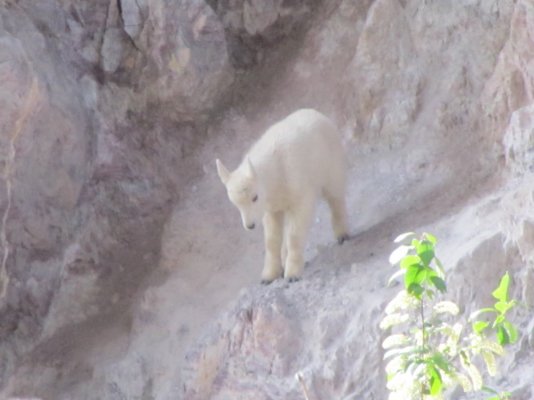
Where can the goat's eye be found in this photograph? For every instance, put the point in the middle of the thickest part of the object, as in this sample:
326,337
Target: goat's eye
255,198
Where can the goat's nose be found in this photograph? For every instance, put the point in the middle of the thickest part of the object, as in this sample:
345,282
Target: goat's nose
251,226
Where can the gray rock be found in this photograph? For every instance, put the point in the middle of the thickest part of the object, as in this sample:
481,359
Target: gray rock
120,253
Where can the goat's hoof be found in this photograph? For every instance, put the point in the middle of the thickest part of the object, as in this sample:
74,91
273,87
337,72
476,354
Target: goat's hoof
341,239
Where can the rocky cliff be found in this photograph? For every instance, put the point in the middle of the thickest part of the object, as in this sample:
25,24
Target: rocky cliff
125,272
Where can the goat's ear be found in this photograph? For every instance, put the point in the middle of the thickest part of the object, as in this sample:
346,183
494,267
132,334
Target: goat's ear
250,168
222,171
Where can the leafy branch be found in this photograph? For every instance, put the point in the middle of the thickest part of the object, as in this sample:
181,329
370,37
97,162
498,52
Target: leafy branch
428,349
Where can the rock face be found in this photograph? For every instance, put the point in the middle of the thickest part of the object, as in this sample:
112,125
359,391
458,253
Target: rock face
88,181
412,78
255,350
253,25
120,255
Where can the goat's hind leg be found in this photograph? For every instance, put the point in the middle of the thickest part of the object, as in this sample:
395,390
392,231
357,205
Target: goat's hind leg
299,221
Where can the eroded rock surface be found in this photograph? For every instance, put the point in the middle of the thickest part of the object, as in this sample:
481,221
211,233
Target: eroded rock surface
120,253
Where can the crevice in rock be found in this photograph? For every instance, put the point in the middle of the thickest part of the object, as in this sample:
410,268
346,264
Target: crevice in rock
123,25
101,76
9,169
119,7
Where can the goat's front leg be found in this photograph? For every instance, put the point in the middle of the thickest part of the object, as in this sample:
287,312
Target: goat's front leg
273,229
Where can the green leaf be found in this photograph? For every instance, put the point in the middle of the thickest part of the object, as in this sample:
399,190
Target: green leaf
436,382
410,260
502,306
439,283
431,238
502,336
425,251
441,362
415,290
501,293
413,275
480,326
499,320
511,330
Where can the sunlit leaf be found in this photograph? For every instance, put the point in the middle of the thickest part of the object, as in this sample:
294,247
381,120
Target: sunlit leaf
446,307
400,352
413,275
465,382
502,307
425,251
403,236
395,276
453,333
399,253
401,302
410,260
416,370
480,326
475,314
491,364
394,341
499,320
431,238
436,382
394,366
393,319
490,345
474,374
501,293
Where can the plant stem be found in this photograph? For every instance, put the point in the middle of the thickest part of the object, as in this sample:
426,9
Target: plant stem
423,340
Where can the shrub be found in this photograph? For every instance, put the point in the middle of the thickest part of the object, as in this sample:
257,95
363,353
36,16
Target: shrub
429,349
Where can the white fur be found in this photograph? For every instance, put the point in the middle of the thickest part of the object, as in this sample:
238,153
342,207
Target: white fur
296,161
